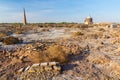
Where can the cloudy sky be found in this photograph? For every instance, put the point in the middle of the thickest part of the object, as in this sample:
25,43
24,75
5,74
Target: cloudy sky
59,10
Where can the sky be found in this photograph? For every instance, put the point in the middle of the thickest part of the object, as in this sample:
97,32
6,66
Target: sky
40,11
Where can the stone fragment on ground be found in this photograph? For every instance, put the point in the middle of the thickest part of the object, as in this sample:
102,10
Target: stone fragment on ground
66,77
40,71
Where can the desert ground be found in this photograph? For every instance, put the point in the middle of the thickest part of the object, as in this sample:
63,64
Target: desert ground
83,52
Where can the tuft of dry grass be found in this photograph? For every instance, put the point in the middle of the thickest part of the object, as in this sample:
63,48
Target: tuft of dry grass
38,57
11,40
45,29
99,59
101,29
18,32
56,53
77,33
2,35
95,35
53,53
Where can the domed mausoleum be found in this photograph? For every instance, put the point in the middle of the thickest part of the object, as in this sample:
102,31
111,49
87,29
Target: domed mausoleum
88,20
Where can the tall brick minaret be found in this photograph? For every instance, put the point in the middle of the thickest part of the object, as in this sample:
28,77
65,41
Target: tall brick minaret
24,17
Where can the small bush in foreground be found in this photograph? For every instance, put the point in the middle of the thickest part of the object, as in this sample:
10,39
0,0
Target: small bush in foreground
38,57
53,53
56,53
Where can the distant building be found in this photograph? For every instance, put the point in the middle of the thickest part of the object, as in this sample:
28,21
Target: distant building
24,17
88,20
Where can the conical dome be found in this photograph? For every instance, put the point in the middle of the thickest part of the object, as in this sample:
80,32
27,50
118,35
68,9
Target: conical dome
89,17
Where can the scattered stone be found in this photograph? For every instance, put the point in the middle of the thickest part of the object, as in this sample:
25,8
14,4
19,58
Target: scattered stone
48,68
44,64
57,68
67,77
42,71
35,65
26,68
20,71
53,63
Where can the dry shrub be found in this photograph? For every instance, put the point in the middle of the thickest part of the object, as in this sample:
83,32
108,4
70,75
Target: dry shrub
101,29
116,34
95,35
84,26
114,69
115,41
92,36
11,40
38,57
15,60
18,32
75,26
56,53
2,35
99,59
75,50
53,53
78,33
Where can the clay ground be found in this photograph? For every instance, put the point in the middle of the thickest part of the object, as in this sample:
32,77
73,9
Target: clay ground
99,59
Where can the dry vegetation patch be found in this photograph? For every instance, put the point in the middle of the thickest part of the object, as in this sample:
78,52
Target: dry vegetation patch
53,53
101,29
56,53
11,40
38,57
2,35
99,59
78,33
47,53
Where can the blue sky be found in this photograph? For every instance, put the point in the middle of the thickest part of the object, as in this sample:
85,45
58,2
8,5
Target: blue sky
60,10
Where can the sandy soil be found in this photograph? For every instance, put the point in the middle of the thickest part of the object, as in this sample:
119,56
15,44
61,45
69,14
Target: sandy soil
100,62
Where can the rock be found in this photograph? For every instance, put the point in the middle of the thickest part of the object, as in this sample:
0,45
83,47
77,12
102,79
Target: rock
67,77
35,65
20,71
27,68
41,71
31,70
53,63
44,64
48,68
57,68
